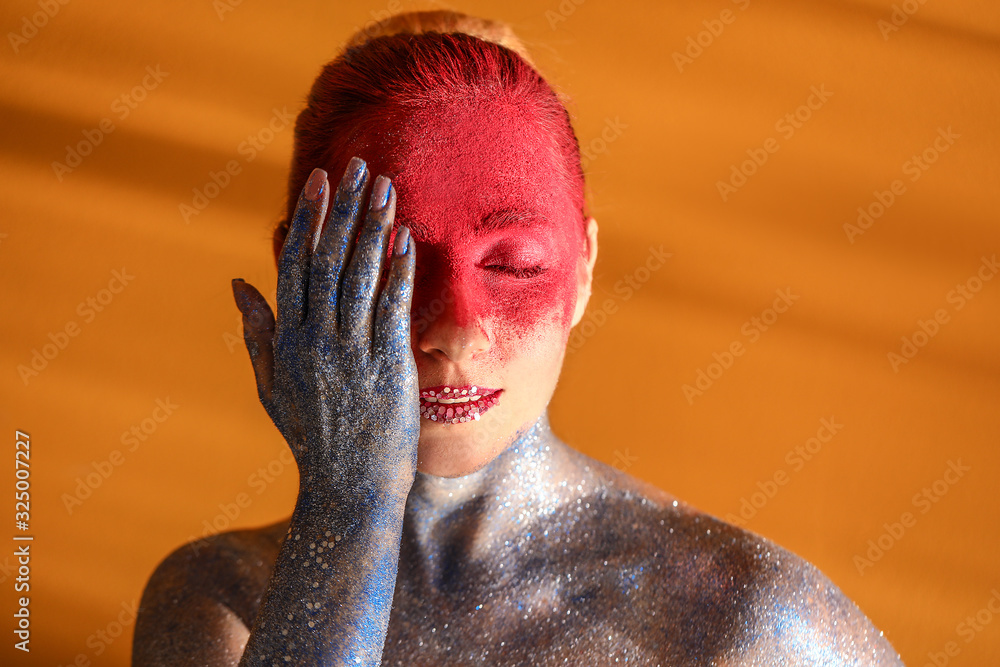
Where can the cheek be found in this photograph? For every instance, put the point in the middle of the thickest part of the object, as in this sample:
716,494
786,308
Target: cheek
542,302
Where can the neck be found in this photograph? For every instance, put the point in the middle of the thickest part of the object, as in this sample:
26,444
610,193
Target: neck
485,507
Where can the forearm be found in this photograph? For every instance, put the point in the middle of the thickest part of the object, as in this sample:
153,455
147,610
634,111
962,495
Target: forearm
330,594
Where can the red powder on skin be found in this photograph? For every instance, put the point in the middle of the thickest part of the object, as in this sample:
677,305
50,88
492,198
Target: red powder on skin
494,229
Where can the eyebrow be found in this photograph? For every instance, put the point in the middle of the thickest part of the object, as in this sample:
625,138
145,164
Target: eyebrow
503,218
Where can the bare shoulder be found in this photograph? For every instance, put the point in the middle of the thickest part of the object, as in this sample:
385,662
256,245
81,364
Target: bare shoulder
201,599
724,594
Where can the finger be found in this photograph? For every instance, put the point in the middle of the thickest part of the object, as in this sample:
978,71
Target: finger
258,334
361,278
392,320
327,265
293,264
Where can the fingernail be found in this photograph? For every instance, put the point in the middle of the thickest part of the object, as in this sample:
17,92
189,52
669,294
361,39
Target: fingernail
380,193
314,186
402,243
355,173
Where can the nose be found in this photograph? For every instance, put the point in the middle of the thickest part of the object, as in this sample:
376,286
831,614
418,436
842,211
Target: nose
455,333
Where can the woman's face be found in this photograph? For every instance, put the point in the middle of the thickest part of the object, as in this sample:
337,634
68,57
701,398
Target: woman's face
503,272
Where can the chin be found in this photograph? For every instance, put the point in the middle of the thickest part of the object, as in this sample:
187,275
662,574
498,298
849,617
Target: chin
456,450
453,450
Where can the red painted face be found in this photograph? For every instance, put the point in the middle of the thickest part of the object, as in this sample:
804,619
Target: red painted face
498,247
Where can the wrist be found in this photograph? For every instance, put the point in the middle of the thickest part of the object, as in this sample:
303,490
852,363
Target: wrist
355,495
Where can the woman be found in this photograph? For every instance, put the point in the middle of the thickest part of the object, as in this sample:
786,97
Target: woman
417,342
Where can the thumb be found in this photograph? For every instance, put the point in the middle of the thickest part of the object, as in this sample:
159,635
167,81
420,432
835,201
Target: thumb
258,334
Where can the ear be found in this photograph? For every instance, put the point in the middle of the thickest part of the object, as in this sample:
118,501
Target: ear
585,272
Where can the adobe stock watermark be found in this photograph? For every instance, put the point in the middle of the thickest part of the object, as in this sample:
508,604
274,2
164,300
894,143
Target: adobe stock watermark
926,329
752,329
489,430
224,7
229,512
425,315
249,149
624,460
697,43
968,629
915,167
565,9
786,126
624,289
371,28
121,107
901,13
131,439
234,340
103,637
30,25
7,569
597,146
796,458
923,501
88,309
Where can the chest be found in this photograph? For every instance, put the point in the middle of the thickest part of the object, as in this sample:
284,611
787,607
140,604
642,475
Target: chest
556,614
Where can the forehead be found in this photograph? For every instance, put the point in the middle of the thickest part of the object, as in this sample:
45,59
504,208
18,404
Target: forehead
463,161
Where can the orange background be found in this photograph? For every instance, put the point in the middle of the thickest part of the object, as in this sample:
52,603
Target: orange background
660,140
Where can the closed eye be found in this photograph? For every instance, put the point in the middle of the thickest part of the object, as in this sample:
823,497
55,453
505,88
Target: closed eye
521,272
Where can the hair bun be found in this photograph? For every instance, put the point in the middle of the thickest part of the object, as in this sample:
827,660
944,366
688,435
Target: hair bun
443,21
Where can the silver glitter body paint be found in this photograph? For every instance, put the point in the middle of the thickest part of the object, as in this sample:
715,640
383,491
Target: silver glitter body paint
548,557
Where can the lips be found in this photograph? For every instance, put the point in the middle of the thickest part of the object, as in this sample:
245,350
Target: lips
447,404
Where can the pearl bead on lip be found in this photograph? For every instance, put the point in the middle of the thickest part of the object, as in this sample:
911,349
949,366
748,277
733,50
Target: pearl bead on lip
446,404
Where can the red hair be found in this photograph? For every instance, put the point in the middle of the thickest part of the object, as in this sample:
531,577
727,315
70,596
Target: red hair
388,74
